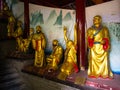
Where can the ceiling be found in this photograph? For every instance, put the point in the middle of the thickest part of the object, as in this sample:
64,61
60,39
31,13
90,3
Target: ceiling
66,4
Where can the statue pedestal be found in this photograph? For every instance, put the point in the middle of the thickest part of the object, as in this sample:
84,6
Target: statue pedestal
19,55
78,80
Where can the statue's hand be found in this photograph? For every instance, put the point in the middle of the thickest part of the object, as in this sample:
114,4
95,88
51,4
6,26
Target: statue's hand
65,29
91,37
75,26
102,42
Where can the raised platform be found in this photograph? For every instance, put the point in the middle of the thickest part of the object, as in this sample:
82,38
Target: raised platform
19,55
78,80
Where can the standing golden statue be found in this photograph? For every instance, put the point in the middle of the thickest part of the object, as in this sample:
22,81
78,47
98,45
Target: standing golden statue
18,33
98,42
11,26
70,56
5,9
30,48
31,33
55,57
39,44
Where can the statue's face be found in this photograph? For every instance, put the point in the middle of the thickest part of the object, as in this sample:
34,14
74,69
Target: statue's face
97,21
69,44
19,23
55,43
31,31
38,29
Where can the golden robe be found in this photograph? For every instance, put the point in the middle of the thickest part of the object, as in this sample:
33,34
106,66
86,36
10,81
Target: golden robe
70,61
99,65
55,58
39,44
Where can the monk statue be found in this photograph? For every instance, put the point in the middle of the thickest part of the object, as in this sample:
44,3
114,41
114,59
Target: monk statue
39,44
11,26
98,42
5,9
30,48
24,44
18,33
70,56
31,33
54,59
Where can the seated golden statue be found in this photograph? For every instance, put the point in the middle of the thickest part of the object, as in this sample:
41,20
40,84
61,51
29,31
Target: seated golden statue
39,44
70,56
24,44
54,59
98,42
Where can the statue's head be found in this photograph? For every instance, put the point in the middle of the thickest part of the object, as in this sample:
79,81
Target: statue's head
31,31
55,42
38,29
69,44
19,23
65,29
97,20
5,6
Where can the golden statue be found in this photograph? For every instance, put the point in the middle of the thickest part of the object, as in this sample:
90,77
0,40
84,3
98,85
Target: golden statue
5,6
70,56
18,33
11,26
98,42
39,44
6,9
24,45
31,33
56,56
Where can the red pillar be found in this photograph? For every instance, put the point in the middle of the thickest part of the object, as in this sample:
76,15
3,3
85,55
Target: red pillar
80,20
26,18
1,5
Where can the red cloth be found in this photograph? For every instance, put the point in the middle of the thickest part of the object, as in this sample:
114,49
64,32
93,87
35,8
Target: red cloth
106,44
36,44
75,68
90,42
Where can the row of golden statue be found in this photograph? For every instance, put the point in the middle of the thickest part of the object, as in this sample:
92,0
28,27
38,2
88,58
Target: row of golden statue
98,42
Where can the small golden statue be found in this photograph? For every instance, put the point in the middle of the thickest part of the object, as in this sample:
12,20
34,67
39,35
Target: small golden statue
18,33
31,33
56,56
11,26
24,43
39,44
70,56
5,6
5,9
98,42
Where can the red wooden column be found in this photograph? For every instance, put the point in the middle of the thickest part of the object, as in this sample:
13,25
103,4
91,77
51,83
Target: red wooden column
80,20
1,5
26,18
